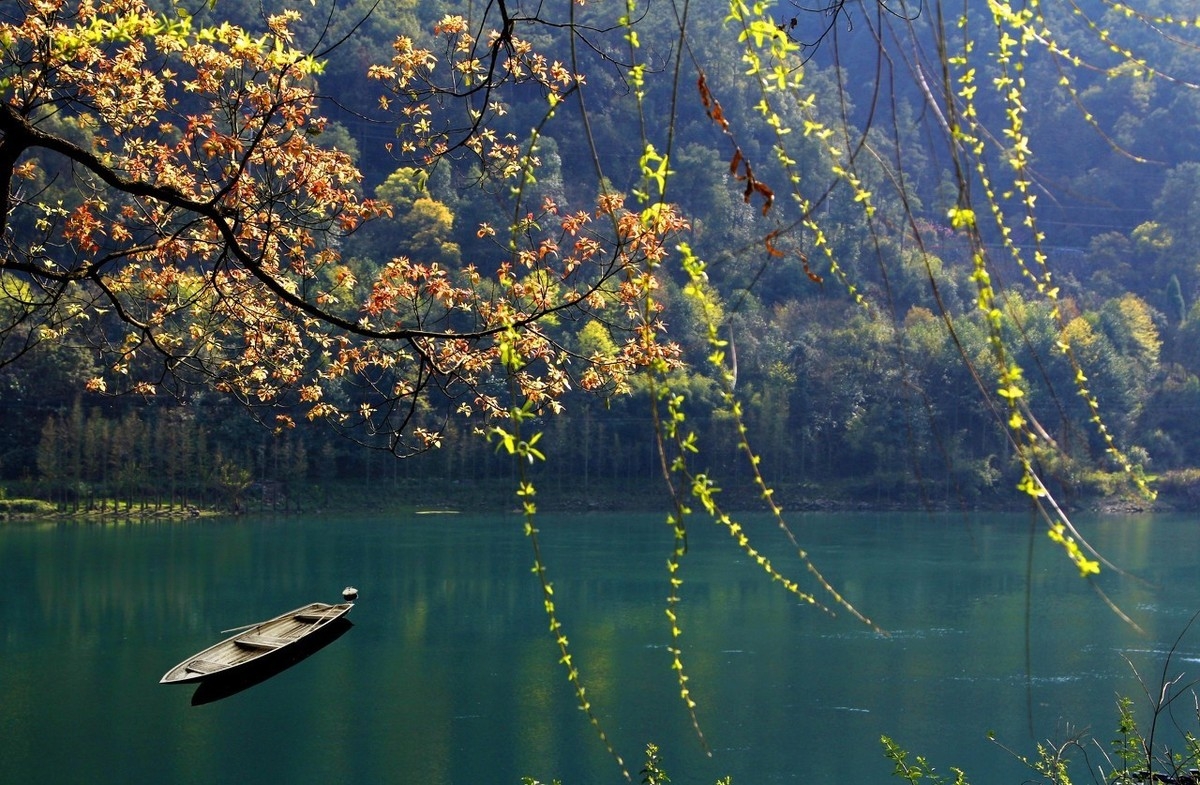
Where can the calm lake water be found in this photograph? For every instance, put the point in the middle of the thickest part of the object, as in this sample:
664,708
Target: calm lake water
449,676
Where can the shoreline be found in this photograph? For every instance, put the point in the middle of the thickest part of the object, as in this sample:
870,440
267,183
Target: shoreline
458,496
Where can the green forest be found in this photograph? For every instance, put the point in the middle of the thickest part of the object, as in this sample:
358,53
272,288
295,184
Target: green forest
859,344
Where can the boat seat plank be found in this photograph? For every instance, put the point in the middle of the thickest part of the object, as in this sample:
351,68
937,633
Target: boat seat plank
206,666
256,641
317,615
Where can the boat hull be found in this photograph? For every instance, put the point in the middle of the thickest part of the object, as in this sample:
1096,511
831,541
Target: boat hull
254,644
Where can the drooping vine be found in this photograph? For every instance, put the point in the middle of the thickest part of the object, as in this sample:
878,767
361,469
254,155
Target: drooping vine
969,137
770,54
523,449
704,489
651,194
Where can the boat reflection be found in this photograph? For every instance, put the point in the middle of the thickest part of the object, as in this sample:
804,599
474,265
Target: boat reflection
220,686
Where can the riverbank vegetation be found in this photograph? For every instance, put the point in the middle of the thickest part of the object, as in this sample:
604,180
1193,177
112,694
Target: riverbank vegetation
1153,740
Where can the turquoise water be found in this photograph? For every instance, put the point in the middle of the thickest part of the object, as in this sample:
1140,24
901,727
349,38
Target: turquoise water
450,676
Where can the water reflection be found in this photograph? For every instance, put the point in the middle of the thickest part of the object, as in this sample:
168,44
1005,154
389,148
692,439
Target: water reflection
452,678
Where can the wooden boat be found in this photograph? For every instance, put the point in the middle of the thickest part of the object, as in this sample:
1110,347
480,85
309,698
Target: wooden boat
255,642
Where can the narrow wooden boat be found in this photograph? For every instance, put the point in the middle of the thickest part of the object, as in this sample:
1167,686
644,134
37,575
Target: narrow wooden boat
255,642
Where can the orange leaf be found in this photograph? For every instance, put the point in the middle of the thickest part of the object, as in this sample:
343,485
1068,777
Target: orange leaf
767,194
807,270
768,241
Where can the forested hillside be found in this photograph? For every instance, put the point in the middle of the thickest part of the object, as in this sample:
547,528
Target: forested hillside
850,384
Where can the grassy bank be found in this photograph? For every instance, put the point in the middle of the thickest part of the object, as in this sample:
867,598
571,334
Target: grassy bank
22,508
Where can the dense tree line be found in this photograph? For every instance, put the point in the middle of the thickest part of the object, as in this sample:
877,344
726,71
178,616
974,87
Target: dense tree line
860,407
